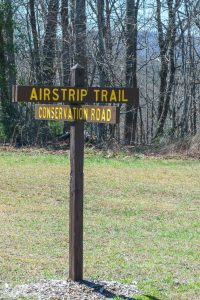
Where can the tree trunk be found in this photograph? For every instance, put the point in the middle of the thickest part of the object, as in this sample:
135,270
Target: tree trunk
65,49
65,42
36,55
50,42
8,114
101,43
167,52
132,7
10,50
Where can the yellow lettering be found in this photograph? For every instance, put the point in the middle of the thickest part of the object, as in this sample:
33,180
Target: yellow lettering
64,94
83,94
123,95
44,112
98,114
96,94
77,95
113,96
69,114
75,113
55,95
103,116
48,113
85,114
47,94
92,114
60,113
52,113
108,114
65,113
71,95
40,112
80,113
56,113
41,95
104,95
33,94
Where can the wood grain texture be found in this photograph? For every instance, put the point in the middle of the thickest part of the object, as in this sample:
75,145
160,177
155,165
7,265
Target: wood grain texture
76,190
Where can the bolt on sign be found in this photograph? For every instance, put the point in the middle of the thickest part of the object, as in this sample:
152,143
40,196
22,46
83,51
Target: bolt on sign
68,104
92,114
75,95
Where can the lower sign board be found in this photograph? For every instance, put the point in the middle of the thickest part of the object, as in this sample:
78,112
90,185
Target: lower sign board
97,114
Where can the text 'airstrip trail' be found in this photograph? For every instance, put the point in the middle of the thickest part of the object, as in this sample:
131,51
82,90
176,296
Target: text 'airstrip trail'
70,95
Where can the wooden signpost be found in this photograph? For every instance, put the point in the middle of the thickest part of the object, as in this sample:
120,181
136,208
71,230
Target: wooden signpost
76,188
68,104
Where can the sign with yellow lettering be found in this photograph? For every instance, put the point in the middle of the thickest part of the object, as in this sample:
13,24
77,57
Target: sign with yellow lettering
70,95
97,114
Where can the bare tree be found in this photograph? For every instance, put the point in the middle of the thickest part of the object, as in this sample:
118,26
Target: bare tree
7,67
50,42
65,41
132,7
167,52
36,51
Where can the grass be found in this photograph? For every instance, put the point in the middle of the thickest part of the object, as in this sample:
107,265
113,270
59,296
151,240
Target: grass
141,222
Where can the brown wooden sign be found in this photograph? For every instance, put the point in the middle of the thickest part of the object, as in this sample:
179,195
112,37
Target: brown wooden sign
70,95
97,114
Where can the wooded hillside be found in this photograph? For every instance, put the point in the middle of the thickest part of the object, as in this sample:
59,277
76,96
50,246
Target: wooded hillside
153,45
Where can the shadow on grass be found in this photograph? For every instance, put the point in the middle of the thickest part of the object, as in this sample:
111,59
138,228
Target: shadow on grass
99,288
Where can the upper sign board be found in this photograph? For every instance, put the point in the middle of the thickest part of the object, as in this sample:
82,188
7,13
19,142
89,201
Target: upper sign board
73,95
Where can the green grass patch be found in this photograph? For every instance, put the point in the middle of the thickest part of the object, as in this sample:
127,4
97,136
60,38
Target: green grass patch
141,221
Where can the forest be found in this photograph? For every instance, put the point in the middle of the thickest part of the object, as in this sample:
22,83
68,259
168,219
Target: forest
153,45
